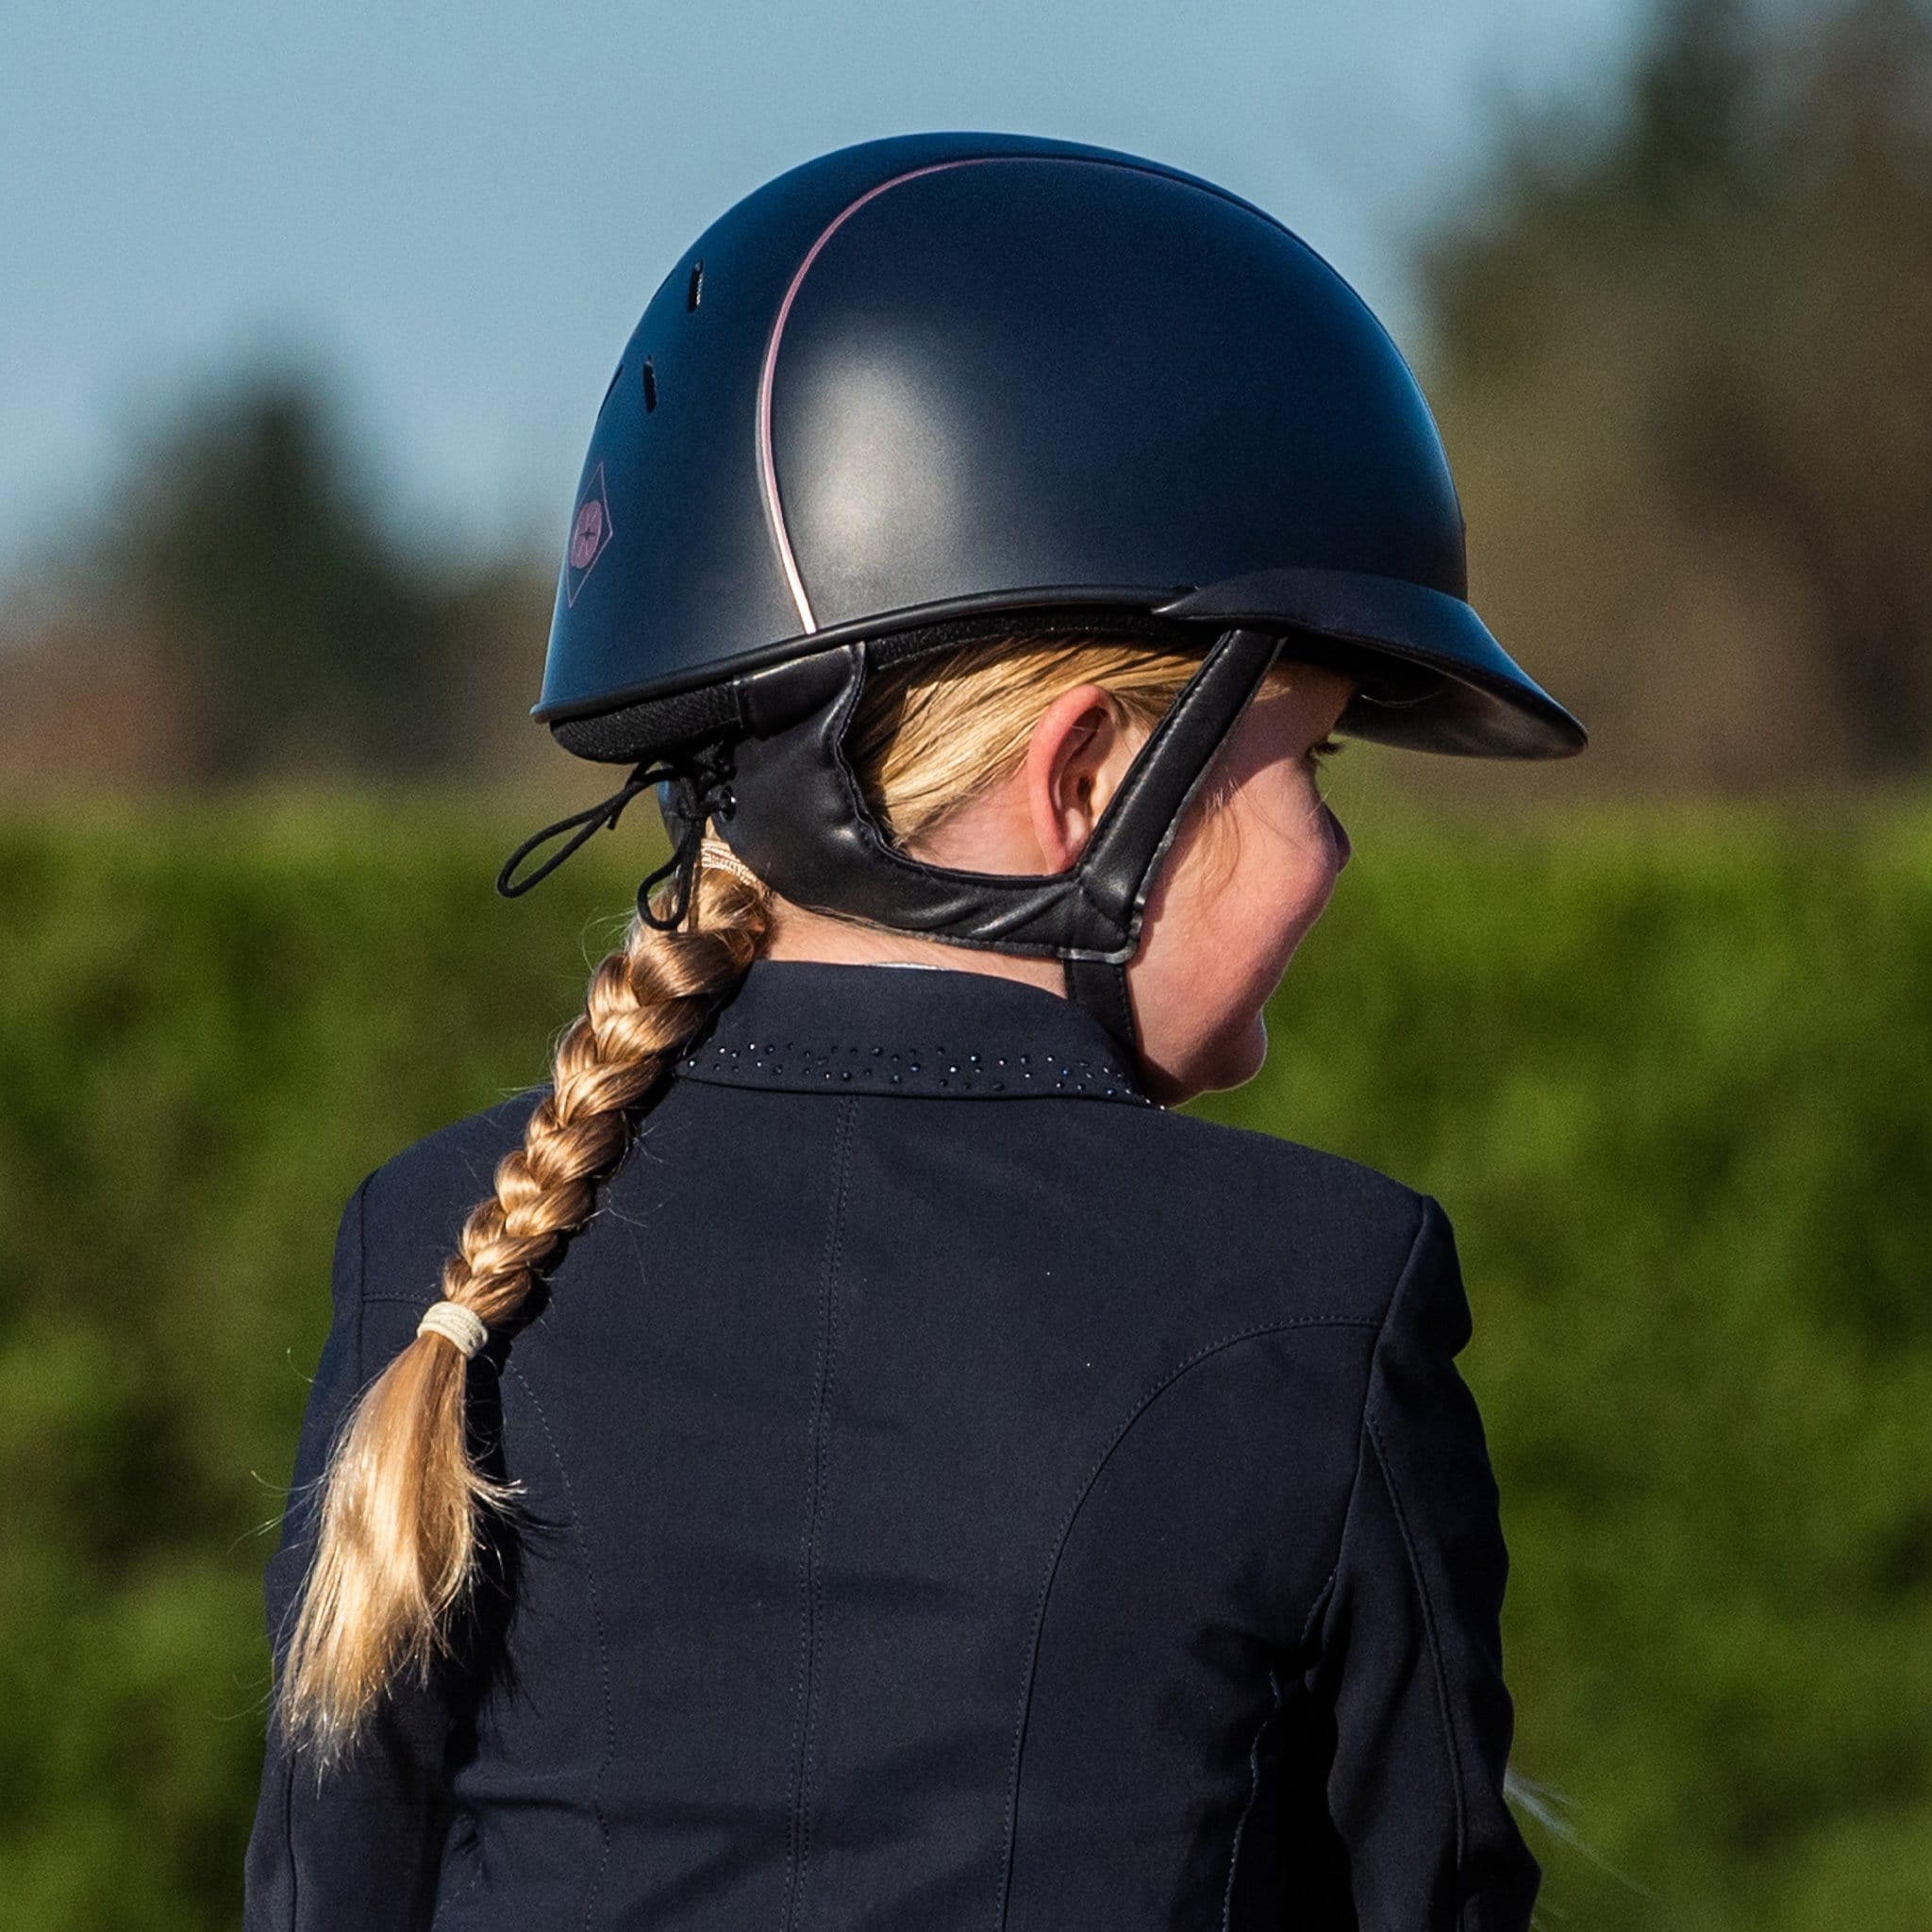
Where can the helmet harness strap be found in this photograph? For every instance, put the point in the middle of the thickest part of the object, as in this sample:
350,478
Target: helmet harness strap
788,802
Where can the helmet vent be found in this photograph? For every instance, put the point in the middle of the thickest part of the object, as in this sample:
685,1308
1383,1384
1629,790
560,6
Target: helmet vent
650,386
695,293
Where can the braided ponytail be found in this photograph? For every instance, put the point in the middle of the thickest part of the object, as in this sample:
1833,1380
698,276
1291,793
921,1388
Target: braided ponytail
398,1545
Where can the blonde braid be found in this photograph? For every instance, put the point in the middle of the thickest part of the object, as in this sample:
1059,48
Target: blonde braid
398,1548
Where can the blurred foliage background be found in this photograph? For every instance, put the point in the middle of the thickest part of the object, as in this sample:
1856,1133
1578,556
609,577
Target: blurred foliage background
1675,1089
1656,1027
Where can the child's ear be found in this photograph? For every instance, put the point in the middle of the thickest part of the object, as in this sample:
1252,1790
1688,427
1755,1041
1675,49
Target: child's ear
1074,762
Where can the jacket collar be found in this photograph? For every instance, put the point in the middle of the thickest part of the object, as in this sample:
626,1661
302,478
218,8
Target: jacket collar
806,1026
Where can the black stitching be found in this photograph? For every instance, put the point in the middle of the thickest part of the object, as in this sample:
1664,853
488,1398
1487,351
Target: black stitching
1100,1462
1415,1244
473,1855
812,1578
1371,1440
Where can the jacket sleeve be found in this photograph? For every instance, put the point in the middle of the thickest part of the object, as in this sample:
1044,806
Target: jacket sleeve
1410,1643
359,1850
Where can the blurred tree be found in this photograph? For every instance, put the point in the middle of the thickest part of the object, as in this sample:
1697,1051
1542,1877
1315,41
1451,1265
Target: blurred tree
313,641
1682,367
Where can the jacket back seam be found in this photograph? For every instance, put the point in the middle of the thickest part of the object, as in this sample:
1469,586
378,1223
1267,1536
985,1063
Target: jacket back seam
1002,1902
812,1567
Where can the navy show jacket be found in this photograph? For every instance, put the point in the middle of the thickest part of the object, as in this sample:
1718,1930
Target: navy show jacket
957,1493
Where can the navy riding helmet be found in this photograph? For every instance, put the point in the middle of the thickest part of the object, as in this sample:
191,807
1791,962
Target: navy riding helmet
914,389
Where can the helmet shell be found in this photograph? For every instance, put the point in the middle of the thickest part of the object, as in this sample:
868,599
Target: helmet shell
940,376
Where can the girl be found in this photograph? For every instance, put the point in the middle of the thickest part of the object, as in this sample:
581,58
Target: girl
871,1463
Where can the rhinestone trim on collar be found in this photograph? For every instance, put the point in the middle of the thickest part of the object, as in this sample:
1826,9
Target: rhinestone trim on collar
913,1070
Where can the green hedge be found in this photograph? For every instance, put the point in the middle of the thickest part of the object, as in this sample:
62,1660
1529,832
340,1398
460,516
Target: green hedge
1671,1075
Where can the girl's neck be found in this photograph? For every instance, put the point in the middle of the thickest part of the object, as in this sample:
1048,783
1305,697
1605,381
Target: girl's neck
799,933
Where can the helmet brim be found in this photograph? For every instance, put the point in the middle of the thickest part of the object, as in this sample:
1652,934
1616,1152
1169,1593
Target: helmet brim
1433,678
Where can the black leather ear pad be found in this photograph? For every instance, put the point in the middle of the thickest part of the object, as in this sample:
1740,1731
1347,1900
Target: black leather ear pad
798,819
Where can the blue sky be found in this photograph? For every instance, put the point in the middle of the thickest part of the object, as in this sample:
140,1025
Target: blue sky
457,211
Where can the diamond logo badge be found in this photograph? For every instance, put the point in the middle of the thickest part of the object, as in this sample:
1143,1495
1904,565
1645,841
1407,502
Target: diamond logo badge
589,536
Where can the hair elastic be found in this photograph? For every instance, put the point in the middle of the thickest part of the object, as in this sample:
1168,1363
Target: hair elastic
456,1324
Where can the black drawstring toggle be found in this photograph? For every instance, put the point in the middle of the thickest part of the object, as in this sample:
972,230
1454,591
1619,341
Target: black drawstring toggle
592,819
700,788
